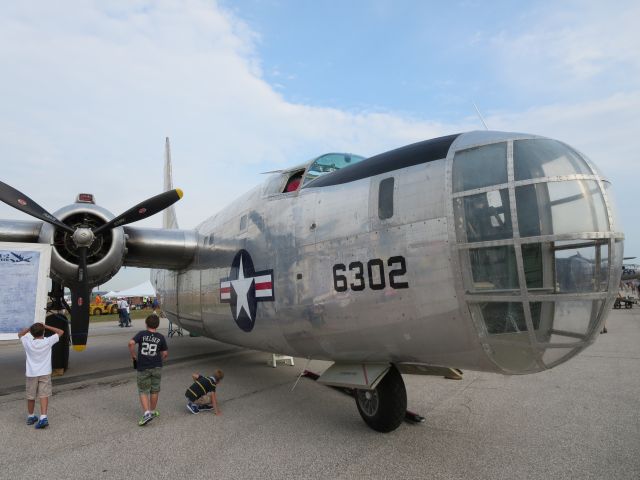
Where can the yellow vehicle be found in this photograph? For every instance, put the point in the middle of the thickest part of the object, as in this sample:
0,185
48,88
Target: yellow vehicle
99,306
102,308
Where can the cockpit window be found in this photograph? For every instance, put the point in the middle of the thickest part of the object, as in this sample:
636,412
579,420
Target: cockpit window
330,162
537,158
480,167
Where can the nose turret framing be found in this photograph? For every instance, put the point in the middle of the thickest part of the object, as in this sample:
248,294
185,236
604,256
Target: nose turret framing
535,245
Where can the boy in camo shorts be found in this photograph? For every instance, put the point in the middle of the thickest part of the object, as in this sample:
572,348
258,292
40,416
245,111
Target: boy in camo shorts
152,350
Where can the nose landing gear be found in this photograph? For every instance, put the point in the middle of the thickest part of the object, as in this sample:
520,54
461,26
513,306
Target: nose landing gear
383,408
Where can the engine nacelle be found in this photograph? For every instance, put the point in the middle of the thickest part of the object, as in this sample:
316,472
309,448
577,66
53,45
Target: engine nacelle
105,255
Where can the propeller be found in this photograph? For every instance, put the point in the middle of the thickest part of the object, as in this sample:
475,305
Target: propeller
20,201
83,238
145,209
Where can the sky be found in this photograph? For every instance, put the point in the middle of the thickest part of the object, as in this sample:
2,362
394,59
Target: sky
90,90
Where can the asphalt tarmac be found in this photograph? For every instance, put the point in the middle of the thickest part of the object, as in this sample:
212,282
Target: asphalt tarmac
579,420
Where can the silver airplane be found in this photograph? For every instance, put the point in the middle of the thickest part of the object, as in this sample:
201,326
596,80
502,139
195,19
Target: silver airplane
486,251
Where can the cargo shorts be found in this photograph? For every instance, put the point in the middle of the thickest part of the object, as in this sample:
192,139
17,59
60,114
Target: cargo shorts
39,387
149,380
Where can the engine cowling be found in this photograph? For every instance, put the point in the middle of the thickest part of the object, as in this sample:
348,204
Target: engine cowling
105,255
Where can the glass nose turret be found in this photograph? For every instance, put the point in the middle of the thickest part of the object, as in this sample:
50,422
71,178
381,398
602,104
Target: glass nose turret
536,247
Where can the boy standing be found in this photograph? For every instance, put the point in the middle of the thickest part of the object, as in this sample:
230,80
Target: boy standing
152,350
203,390
38,371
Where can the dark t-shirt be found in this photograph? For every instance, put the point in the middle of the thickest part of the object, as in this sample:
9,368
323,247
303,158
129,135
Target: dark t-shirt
150,344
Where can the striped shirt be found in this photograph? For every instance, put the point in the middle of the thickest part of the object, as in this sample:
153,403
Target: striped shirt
200,387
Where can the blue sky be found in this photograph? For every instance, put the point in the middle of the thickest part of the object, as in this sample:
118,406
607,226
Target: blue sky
91,88
411,57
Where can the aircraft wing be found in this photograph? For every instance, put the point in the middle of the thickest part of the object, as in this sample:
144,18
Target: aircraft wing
143,247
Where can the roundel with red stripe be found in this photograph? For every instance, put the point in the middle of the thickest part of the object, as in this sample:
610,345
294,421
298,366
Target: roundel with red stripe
244,288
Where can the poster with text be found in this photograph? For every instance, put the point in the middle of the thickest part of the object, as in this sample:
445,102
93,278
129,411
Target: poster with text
24,282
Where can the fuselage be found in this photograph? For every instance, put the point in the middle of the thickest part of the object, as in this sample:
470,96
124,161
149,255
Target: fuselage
484,251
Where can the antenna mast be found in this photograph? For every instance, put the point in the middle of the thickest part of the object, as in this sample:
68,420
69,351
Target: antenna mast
480,115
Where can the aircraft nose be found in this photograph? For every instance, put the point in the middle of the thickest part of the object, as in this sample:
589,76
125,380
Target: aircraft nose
537,249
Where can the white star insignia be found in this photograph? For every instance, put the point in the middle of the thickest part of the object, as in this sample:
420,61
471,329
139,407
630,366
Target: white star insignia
242,286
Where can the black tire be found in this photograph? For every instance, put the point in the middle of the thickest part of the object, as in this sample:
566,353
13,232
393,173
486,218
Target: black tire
384,408
97,311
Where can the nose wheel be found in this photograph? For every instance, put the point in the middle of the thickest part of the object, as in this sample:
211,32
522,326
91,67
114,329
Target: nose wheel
383,408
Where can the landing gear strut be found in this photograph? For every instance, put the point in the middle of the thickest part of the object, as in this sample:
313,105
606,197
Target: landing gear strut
383,408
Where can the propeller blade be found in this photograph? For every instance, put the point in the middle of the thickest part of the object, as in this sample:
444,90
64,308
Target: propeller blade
81,299
20,201
82,265
142,210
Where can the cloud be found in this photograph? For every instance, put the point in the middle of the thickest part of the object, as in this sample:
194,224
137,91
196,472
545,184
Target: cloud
90,90
94,92
572,47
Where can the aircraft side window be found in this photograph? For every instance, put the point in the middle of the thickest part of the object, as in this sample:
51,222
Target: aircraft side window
494,268
503,317
385,198
483,217
243,223
578,267
555,208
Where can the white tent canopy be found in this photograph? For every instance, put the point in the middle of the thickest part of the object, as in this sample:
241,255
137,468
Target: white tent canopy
110,294
143,290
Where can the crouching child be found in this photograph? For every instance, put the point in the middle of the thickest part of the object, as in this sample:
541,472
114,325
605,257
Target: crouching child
201,395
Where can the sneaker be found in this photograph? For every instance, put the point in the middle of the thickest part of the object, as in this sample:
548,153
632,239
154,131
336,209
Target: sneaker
193,408
204,408
146,418
31,419
42,423
155,413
